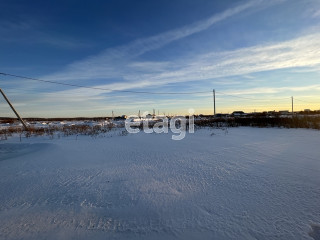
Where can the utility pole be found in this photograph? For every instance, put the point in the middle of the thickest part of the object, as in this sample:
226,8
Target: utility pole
214,101
292,105
21,120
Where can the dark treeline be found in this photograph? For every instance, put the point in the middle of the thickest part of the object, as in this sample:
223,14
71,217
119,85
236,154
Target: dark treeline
11,120
289,122
302,121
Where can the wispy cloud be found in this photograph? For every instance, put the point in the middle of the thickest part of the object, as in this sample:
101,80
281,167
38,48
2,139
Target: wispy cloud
299,52
121,63
105,64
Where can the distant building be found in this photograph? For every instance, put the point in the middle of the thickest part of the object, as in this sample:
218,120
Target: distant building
238,114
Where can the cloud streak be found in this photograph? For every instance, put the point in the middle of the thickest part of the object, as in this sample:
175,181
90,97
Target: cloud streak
112,60
299,52
121,63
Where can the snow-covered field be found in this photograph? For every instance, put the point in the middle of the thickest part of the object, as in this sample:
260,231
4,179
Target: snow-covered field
247,184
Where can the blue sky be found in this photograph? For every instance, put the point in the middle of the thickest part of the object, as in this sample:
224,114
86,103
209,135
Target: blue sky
256,54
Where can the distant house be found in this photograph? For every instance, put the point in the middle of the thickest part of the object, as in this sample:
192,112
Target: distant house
239,114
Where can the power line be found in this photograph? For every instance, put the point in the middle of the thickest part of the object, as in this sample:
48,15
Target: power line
230,95
98,88
141,92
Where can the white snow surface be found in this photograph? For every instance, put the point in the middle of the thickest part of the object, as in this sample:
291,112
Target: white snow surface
250,183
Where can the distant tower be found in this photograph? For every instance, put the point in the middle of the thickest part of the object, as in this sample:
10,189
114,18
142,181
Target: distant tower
292,105
214,101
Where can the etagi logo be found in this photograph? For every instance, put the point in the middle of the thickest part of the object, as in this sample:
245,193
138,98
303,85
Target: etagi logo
161,124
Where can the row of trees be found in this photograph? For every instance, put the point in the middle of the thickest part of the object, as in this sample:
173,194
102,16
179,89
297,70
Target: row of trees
312,122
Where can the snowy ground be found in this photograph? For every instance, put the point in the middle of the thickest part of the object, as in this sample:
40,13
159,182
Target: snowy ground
248,184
